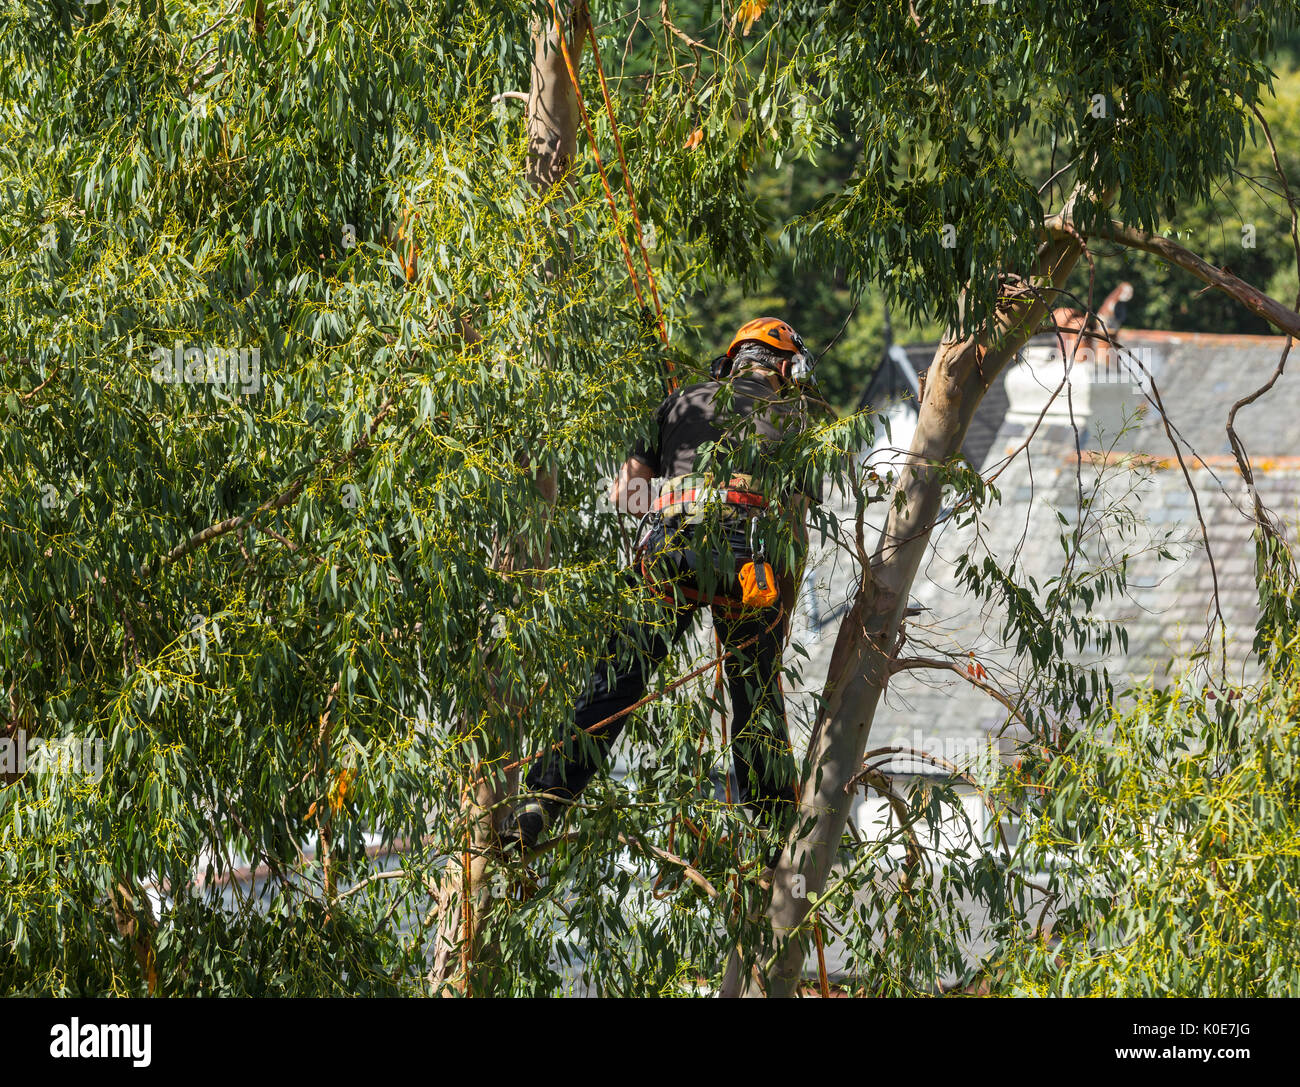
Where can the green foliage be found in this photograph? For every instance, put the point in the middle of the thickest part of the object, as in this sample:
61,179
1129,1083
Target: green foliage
1169,829
371,464
874,199
277,597
1124,92
1244,227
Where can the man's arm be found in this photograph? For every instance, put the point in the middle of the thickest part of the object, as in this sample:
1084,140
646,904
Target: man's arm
630,491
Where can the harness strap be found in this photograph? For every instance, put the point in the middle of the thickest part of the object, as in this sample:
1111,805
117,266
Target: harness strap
731,497
731,607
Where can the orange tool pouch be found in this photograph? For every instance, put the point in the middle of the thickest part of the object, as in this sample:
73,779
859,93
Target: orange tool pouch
758,588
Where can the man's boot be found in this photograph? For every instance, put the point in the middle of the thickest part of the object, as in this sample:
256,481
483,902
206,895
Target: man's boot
523,824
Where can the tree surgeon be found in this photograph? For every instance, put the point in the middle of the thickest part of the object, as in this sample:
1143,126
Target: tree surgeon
725,529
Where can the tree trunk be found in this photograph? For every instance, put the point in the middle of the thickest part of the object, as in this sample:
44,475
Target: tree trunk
135,924
464,897
859,670
552,101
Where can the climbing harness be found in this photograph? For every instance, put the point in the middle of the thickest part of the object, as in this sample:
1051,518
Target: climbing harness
675,527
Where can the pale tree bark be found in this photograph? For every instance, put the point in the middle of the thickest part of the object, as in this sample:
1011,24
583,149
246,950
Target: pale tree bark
135,924
552,102
862,660
1168,250
465,898
860,667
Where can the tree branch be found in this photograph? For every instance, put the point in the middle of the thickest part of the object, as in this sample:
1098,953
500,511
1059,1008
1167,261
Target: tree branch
910,663
26,398
1260,304
696,46
691,872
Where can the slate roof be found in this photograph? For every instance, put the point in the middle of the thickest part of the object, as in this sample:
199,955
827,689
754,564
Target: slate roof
1168,606
888,386
1200,376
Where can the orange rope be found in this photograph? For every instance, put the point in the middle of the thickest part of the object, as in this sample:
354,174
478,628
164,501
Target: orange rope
467,914
627,185
722,713
821,961
600,165
604,180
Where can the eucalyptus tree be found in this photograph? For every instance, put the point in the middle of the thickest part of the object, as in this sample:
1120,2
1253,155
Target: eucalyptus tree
316,344
322,329
277,289
1145,106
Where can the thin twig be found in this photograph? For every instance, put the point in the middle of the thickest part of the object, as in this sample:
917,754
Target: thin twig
696,46
396,873
26,397
692,873
232,524
910,663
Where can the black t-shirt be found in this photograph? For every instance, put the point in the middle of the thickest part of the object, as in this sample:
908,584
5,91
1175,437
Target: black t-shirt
693,416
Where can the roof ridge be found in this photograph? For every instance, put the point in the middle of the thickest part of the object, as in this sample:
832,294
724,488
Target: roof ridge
1208,338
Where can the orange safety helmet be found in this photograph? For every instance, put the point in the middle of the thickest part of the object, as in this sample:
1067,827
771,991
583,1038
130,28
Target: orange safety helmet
769,330
776,333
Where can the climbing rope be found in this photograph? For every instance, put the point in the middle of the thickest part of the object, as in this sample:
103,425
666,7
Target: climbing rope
720,656
717,696
627,184
609,192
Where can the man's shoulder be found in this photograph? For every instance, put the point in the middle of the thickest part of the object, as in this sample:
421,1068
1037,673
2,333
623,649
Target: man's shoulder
699,389
698,395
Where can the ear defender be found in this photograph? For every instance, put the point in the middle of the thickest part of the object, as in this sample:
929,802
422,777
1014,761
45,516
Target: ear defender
720,367
800,366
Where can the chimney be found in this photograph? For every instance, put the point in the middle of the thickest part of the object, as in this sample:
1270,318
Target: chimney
1106,381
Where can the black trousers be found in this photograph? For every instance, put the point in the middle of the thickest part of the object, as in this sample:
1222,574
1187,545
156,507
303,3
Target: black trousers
765,769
